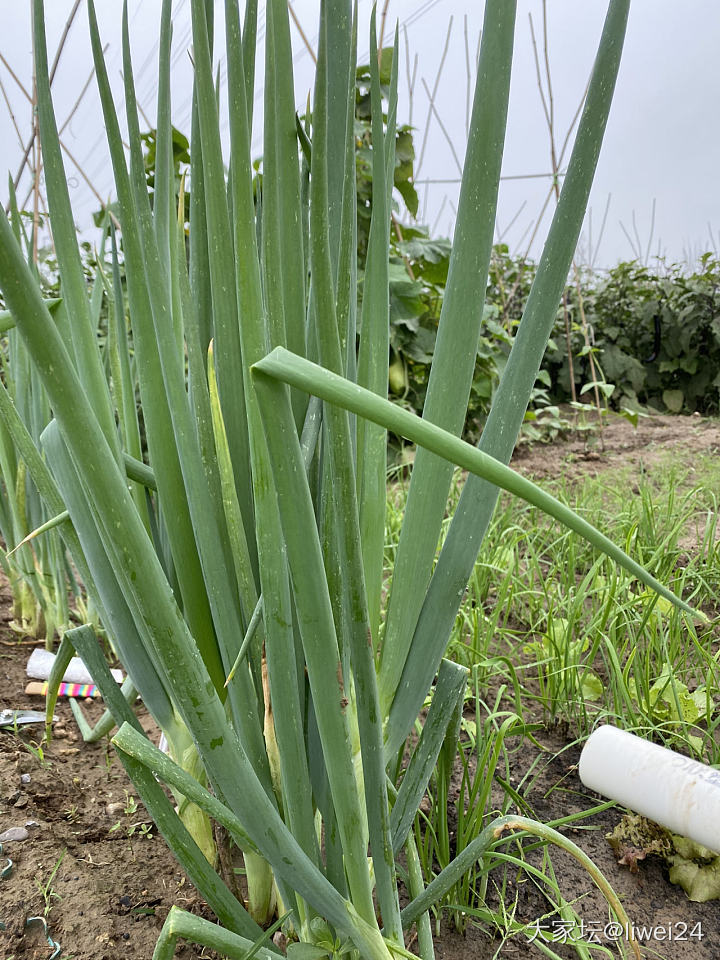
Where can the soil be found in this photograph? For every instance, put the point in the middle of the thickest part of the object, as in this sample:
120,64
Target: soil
620,444
92,865
113,885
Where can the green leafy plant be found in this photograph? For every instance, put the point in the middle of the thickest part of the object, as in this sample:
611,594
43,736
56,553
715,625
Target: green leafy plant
691,866
34,564
36,750
670,703
131,827
45,888
403,153
564,674
244,590
655,335
478,734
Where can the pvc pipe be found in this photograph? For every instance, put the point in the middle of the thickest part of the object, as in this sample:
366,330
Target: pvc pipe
677,792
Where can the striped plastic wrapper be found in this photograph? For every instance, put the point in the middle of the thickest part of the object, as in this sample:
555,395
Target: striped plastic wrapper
64,690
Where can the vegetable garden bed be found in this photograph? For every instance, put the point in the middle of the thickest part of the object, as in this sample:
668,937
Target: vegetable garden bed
116,880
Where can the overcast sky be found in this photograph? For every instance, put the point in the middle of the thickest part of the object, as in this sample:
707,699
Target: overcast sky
662,145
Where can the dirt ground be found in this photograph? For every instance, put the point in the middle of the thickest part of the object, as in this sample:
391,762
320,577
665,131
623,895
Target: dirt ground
621,444
114,884
92,865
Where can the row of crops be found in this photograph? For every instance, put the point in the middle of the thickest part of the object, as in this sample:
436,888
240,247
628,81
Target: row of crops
203,477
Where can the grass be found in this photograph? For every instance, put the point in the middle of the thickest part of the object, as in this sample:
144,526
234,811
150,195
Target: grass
554,635
550,617
45,887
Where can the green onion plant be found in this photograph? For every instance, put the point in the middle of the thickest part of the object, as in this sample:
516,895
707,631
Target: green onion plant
38,573
238,568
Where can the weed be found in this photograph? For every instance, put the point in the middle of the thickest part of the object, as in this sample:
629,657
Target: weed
108,755
35,749
45,889
141,828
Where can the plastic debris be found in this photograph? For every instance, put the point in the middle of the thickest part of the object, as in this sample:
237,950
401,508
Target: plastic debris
41,663
13,718
39,688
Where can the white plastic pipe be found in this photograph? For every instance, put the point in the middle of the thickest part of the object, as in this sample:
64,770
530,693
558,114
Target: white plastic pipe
680,794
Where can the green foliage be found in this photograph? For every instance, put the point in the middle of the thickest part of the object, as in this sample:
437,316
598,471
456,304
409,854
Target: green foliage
45,887
696,869
654,332
180,163
180,154
404,151
418,274
656,336
250,527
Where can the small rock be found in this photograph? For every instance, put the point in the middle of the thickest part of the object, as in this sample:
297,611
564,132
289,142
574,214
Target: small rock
32,825
14,835
113,809
21,802
60,733
24,778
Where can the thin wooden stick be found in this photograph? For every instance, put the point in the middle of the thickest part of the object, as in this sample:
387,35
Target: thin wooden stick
637,254
47,217
383,20
410,76
502,233
442,126
439,214
81,95
652,231
576,117
12,115
63,38
303,35
535,227
548,103
434,94
82,173
538,77
589,345
53,70
17,80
